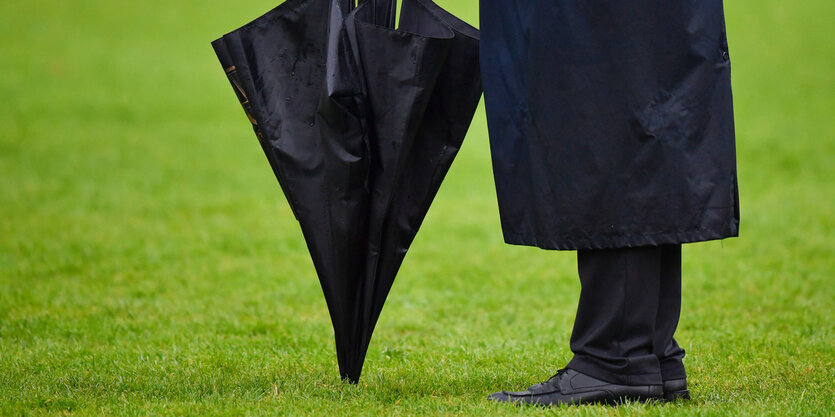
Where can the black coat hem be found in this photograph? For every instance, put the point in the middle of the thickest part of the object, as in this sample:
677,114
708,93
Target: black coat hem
612,242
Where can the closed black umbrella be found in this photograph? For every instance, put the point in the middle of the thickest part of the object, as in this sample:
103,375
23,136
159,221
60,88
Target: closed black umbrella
360,123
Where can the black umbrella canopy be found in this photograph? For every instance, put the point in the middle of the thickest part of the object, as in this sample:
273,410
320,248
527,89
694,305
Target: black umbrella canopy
360,122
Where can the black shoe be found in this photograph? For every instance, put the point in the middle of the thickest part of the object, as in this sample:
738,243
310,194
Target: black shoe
571,387
676,389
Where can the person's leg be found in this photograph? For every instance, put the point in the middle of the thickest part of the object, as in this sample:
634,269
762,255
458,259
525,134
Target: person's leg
613,332
669,353
612,339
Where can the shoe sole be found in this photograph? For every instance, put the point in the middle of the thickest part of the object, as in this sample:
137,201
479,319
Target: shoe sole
676,395
627,399
614,402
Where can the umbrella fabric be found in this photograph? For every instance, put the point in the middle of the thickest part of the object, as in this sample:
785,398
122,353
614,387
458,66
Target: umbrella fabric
360,123
611,122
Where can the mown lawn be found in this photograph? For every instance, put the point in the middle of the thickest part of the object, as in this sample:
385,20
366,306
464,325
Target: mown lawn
149,264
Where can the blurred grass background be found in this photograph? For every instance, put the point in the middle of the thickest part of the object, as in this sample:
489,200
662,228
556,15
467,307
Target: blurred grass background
149,264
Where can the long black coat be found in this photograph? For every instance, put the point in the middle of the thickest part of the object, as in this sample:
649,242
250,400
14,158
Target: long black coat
611,122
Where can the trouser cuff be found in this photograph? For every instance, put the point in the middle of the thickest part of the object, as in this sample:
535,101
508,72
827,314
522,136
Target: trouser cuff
589,367
673,371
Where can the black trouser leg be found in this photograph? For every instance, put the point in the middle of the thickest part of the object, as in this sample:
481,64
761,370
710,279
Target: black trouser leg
628,313
669,353
613,332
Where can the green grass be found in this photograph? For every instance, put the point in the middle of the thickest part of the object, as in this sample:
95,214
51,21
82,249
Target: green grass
149,264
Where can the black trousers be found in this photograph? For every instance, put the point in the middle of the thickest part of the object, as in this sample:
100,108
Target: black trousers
629,308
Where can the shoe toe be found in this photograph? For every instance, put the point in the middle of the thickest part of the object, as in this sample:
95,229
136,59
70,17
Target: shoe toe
510,396
501,396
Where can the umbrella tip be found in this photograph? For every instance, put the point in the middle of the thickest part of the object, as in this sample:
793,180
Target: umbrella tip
352,379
